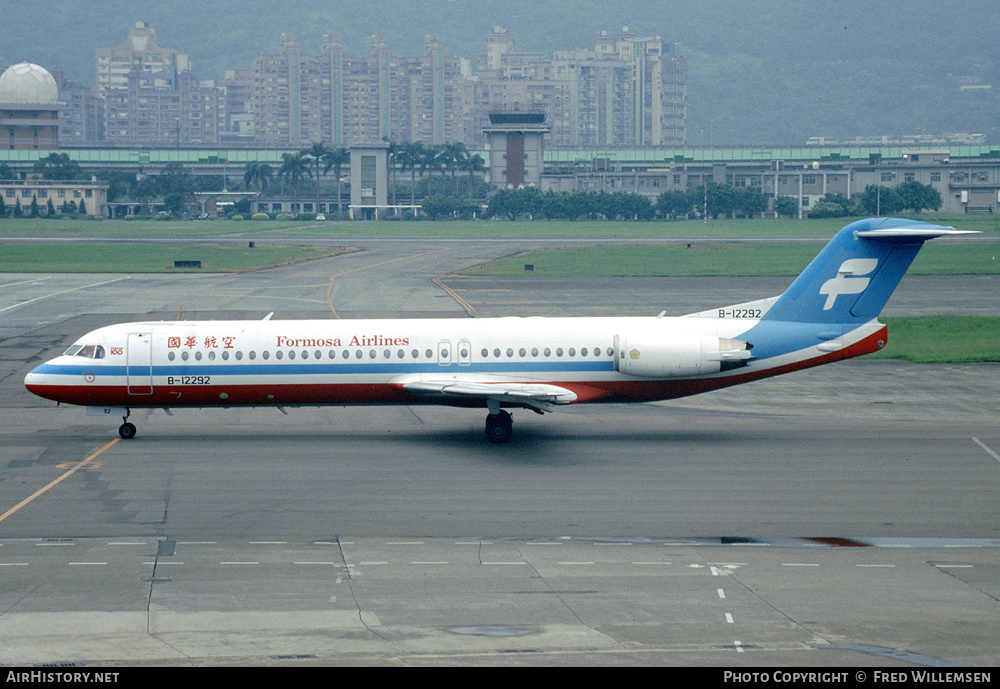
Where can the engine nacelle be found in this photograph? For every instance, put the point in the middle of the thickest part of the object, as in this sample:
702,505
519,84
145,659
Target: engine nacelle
677,355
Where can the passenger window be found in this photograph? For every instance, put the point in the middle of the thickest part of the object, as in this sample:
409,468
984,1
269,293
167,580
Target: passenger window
279,354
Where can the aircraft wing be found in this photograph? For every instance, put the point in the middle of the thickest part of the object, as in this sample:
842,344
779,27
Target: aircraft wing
539,396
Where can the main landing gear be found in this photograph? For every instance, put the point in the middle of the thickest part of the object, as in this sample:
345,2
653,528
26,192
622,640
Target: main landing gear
126,430
499,427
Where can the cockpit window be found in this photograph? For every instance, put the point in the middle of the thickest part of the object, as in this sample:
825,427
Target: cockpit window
86,351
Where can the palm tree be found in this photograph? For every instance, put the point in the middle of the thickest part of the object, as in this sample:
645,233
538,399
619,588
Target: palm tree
315,155
453,156
295,167
258,174
430,159
336,158
410,156
473,163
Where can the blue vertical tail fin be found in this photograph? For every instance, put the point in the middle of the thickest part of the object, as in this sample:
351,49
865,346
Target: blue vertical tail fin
853,277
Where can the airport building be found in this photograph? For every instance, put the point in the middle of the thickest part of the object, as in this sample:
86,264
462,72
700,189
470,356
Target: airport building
967,177
84,198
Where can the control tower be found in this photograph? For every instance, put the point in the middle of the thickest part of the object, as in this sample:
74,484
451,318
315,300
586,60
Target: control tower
515,145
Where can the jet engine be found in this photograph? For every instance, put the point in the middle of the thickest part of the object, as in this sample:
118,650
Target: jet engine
677,355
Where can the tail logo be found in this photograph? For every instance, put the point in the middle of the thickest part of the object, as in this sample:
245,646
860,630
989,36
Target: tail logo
848,280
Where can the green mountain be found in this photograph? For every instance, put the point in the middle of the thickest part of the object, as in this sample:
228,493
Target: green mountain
760,71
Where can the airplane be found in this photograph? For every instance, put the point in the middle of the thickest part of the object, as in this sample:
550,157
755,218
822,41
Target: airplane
829,313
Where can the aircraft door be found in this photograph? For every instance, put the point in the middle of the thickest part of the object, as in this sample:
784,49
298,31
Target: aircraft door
139,364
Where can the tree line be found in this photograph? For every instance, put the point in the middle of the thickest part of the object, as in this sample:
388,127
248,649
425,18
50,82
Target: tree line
712,200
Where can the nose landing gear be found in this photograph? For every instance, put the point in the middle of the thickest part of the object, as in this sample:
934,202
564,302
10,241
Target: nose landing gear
127,430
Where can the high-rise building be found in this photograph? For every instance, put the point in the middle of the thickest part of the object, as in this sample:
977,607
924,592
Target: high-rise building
82,118
295,98
286,94
142,53
143,114
627,91
151,97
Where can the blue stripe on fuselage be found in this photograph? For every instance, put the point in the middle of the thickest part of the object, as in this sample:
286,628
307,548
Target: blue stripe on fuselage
326,368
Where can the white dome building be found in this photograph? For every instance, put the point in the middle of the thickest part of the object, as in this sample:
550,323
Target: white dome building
27,83
29,108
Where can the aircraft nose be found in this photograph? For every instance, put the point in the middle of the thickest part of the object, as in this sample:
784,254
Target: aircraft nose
32,378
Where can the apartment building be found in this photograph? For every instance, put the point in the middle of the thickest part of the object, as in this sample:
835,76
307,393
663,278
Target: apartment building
629,90
151,98
81,120
140,52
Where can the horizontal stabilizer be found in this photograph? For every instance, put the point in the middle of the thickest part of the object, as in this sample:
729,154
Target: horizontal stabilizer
921,233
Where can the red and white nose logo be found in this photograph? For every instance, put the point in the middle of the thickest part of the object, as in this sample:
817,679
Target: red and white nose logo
848,280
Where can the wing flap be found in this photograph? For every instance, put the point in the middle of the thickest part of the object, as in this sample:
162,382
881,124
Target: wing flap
540,396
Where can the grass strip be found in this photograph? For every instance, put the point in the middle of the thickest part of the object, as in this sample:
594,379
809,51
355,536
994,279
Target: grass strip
589,229
942,339
735,260
151,258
